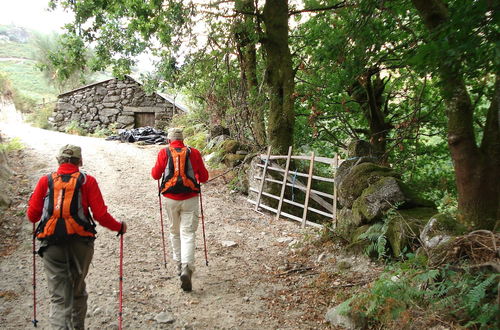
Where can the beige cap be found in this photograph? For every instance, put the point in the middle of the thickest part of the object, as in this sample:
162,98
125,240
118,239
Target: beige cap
175,134
70,151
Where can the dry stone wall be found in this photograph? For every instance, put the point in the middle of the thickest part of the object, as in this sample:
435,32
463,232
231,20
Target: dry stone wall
110,103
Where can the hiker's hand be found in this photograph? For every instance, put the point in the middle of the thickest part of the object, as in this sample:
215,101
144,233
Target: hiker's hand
123,229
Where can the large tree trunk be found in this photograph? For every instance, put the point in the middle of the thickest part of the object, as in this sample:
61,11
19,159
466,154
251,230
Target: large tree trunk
368,92
477,169
279,75
245,31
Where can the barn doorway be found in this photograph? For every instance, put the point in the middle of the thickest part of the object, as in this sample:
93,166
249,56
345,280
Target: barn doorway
142,119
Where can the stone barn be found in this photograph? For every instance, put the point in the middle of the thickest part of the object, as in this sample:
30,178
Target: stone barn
114,103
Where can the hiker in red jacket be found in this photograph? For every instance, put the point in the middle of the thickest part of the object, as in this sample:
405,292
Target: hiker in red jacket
182,170
61,200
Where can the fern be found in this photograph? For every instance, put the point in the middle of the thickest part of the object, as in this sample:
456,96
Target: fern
477,293
376,236
458,297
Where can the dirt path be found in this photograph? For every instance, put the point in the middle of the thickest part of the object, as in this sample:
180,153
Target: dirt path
236,290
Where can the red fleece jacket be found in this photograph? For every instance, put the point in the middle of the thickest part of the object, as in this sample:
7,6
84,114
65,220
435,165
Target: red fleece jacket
199,169
91,197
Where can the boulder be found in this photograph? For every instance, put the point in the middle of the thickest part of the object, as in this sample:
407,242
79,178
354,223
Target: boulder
404,227
347,223
232,160
440,229
378,198
358,244
216,141
337,318
345,167
230,146
358,179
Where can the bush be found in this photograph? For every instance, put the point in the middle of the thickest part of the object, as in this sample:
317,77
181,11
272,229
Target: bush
105,131
23,103
40,117
75,128
11,145
411,291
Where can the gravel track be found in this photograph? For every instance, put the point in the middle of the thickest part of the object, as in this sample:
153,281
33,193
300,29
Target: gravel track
231,293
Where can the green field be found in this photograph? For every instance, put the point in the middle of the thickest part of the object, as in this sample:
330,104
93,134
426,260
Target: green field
28,80
18,50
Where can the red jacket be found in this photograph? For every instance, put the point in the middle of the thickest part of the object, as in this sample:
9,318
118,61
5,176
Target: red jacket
199,169
91,197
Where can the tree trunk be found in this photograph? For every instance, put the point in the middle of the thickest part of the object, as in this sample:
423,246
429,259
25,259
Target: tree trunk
279,75
477,169
245,31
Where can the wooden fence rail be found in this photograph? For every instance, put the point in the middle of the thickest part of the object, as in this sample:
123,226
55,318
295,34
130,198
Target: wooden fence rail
290,180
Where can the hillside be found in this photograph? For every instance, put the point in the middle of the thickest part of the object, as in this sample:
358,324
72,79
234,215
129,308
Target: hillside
17,61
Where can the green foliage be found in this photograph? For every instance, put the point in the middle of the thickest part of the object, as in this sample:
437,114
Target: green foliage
62,60
74,128
40,117
105,131
11,145
198,140
368,71
376,236
463,298
16,50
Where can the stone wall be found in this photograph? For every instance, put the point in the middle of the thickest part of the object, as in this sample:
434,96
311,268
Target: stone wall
111,102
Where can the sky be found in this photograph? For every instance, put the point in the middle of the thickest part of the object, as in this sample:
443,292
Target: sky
33,14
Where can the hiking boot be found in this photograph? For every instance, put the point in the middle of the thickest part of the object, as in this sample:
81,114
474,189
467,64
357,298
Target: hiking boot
186,278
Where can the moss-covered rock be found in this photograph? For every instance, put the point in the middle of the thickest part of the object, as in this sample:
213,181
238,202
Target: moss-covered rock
346,224
231,160
439,229
378,198
346,165
357,244
359,178
229,146
404,227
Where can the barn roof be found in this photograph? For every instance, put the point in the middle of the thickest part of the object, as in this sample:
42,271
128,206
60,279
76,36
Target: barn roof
162,95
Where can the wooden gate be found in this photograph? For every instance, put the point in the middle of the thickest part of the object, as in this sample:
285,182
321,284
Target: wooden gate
290,180
142,119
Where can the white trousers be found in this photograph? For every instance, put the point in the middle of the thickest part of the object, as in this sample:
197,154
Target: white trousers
183,222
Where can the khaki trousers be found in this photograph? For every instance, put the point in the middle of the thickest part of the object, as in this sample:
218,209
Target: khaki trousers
183,222
66,266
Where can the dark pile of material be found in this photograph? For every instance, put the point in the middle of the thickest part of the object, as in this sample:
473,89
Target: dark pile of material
147,135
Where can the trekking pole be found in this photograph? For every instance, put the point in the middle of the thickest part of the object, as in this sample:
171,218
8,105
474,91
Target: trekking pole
120,296
34,321
161,221
203,227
